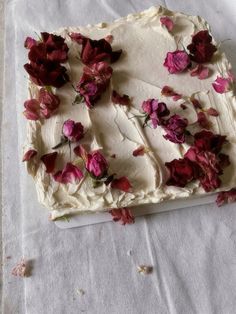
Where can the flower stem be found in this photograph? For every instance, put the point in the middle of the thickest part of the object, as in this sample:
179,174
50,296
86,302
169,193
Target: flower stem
63,142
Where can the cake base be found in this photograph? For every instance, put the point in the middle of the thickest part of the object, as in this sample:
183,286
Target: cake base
96,218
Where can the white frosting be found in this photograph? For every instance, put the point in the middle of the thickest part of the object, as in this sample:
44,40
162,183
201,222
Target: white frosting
140,74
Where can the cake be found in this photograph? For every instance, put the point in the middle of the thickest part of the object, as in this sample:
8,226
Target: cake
135,112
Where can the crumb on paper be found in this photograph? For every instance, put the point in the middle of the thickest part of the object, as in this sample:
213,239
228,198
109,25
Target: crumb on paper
129,252
21,269
144,270
8,257
80,291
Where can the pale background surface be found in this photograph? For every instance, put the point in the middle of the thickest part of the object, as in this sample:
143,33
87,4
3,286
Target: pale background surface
193,251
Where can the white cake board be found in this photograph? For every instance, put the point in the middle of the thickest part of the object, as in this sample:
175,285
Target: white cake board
95,218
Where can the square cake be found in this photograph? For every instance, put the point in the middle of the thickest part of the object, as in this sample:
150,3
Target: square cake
138,111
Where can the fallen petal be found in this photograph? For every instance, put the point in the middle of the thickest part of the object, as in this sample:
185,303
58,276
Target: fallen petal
49,161
122,184
29,154
167,22
226,197
123,215
121,100
212,112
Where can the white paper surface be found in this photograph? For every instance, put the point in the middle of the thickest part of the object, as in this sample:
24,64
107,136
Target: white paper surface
193,251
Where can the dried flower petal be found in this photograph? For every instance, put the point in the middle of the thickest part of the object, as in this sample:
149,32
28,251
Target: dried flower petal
167,22
195,103
123,215
226,197
169,92
221,84
202,120
208,141
177,61
29,154
200,71
121,100
122,184
49,161
212,112
70,174
140,151
175,128
155,111
29,42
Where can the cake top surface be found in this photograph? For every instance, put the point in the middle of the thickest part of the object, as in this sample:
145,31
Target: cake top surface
188,93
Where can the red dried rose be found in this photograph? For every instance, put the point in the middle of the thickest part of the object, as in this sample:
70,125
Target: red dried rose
155,111
208,141
177,61
121,100
57,49
226,197
29,154
70,174
201,49
123,215
94,82
47,73
202,120
175,128
96,165
49,161
122,184
181,172
169,92
94,51
44,107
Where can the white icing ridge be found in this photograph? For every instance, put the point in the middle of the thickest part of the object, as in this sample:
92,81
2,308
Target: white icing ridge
140,74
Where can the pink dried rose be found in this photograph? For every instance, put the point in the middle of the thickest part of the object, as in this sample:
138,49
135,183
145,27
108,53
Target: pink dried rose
123,215
222,85
73,131
200,71
201,49
169,92
177,61
96,165
226,197
29,154
121,100
94,51
175,128
122,184
94,82
181,172
70,174
140,151
202,120
154,111
21,269
167,22
212,112
47,73
49,161
43,108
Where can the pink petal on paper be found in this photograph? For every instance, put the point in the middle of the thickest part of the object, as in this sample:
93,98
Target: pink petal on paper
212,112
123,215
122,184
167,22
29,154
221,84
49,161
70,174
140,151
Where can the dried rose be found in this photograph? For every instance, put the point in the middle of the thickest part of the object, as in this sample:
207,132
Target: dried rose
96,165
44,107
175,128
201,49
208,141
94,51
49,161
47,73
177,61
73,131
29,154
181,172
70,174
122,184
121,100
57,49
155,111
167,22
226,197
123,215
200,71
94,82
222,85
